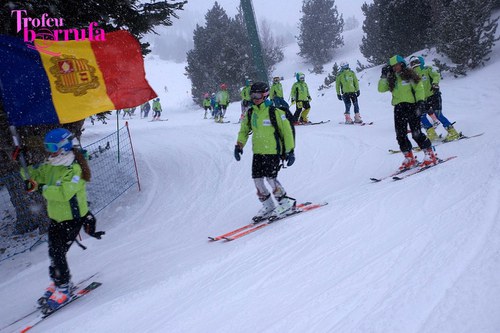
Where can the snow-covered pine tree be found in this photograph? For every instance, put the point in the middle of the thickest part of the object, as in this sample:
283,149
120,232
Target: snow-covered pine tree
465,32
395,27
216,51
320,31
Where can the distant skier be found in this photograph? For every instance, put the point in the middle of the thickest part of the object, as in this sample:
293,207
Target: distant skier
269,148
300,95
157,109
206,104
214,105
433,102
62,180
408,100
276,93
347,86
222,99
245,98
145,110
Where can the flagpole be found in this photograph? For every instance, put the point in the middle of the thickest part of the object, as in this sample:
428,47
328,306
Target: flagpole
118,133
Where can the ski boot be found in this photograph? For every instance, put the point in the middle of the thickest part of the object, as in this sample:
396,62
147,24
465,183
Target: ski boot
285,204
409,162
431,134
348,119
430,158
61,295
266,210
452,134
42,301
357,119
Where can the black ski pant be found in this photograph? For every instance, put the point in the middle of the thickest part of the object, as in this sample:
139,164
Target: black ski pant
405,115
61,236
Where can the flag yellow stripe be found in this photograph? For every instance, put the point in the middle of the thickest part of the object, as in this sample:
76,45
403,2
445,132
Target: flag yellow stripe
74,99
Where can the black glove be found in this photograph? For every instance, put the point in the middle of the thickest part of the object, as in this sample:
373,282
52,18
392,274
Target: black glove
420,108
237,152
290,158
339,97
89,226
358,93
435,87
386,70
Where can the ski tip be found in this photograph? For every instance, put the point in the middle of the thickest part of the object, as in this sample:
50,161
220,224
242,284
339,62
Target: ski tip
375,180
228,239
397,178
212,239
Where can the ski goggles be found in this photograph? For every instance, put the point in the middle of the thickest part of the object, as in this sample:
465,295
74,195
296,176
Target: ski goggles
258,95
54,147
415,63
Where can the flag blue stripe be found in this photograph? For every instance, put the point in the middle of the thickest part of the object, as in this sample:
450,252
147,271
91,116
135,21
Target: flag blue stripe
24,86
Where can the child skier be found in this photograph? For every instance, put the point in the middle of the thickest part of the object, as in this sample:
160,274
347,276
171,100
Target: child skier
433,102
347,87
157,109
270,144
276,93
408,100
62,180
300,95
206,104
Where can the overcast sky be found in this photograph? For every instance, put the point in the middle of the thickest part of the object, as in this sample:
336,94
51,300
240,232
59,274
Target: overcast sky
284,11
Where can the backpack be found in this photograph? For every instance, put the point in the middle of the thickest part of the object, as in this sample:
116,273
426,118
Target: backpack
272,117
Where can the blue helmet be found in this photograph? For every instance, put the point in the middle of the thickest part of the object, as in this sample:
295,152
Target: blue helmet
58,139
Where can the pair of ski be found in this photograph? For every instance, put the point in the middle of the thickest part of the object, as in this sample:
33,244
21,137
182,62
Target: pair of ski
78,293
462,137
359,124
315,123
254,226
402,174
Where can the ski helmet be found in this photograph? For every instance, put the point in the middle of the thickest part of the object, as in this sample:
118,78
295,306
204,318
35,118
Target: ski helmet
417,61
300,76
259,90
276,79
397,59
344,65
59,139
223,86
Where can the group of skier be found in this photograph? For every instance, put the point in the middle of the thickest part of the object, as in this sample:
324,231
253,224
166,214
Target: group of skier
216,103
415,94
144,108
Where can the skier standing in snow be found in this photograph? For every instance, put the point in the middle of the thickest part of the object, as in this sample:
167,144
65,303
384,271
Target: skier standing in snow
408,99
300,95
213,104
347,86
157,109
433,101
222,99
206,104
245,98
272,141
145,110
62,180
276,93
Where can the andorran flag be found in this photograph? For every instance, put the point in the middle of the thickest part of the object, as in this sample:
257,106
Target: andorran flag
58,82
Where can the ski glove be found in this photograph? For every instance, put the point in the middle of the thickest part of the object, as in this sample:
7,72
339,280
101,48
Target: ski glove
420,108
237,152
89,226
290,158
358,93
339,97
385,70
